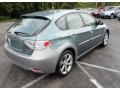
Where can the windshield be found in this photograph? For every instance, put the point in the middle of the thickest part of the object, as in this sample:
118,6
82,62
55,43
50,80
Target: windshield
28,26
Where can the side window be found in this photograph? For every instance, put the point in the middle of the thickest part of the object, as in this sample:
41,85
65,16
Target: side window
88,19
61,23
74,21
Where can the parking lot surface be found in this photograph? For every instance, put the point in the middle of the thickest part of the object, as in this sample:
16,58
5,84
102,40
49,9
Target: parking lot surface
99,68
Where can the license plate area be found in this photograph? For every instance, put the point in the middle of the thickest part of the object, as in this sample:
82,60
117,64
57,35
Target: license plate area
16,44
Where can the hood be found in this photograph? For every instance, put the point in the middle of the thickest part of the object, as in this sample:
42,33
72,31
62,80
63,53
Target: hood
109,11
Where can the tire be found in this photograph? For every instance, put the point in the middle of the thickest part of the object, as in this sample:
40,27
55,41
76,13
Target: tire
63,66
105,40
103,17
112,16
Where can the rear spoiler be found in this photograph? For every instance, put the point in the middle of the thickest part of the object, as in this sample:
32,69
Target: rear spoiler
37,17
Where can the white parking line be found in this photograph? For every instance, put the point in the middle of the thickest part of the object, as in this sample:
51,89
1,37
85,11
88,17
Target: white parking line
104,68
34,81
55,84
91,78
115,25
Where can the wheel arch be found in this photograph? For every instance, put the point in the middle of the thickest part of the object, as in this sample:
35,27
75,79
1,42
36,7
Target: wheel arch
72,50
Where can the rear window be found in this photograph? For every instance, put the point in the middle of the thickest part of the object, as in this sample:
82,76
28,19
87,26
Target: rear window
29,26
61,23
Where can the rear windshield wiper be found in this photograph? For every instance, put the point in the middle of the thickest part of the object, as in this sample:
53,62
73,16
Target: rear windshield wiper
19,33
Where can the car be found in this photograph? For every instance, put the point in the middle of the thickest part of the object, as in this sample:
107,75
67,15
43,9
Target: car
88,10
97,13
111,12
118,16
53,40
91,10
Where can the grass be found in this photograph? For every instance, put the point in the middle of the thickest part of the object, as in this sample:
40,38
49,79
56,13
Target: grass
6,19
2,18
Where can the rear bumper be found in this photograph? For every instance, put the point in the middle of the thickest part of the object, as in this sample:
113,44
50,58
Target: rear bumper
45,61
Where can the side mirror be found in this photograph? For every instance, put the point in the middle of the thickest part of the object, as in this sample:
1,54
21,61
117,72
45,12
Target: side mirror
99,22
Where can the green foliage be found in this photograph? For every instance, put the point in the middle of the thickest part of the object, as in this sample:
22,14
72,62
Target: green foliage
86,5
2,18
113,4
15,9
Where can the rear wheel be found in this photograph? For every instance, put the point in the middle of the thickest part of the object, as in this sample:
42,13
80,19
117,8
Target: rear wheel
65,63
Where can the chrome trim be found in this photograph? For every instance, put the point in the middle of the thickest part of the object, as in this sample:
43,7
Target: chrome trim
90,39
96,37
84,42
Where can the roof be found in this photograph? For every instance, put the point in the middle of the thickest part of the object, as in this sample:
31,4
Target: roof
49,13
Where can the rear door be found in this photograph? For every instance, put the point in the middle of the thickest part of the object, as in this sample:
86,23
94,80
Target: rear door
79,34
96,30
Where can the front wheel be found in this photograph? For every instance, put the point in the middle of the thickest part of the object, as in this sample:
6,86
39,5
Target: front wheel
112,16
65,63
105,40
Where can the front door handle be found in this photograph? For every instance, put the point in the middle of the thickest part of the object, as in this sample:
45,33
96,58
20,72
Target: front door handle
74,35
91,31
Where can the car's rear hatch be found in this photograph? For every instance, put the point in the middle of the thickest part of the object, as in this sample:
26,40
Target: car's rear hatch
24,30
17,43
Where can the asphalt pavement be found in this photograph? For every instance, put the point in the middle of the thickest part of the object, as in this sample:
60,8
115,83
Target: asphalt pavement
98,68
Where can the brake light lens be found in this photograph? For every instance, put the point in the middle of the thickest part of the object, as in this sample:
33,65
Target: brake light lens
37,44
46,43
42,44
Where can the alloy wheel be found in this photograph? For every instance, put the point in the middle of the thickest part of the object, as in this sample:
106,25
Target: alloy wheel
66,63
106,37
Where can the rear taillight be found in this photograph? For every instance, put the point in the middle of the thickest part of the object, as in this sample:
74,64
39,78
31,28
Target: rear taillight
37,44
42,44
